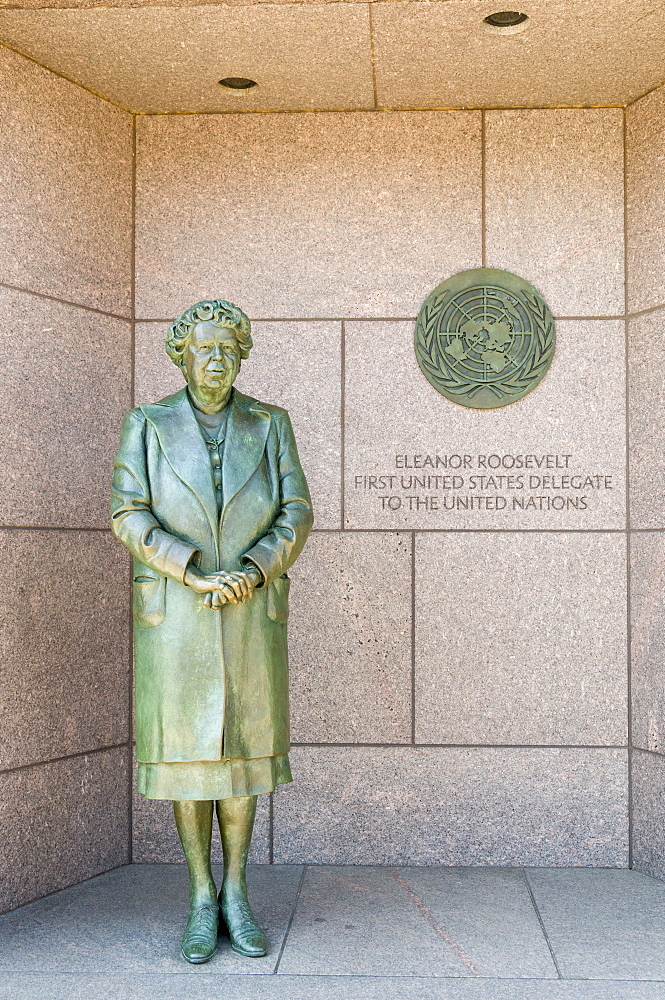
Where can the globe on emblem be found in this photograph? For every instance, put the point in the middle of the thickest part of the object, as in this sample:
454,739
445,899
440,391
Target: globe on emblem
484,338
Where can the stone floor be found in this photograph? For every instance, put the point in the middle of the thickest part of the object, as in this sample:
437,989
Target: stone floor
340,933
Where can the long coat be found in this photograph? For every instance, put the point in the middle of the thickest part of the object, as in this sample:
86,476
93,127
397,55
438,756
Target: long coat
209,683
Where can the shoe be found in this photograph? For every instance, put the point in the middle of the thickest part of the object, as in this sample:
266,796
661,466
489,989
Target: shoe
199,941
247,938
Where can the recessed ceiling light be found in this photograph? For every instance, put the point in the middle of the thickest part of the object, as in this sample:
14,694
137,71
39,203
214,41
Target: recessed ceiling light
237,83
505,18
506,22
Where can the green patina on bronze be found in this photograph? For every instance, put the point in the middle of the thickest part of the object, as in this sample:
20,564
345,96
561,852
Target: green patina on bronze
484,338
209,497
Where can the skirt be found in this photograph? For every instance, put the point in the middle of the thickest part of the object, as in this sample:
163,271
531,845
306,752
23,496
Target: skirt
203,780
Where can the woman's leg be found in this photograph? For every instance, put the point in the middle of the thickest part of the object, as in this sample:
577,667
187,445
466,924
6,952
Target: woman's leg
194,823
236,823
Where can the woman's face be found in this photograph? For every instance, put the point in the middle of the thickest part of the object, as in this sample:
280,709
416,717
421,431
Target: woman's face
211,360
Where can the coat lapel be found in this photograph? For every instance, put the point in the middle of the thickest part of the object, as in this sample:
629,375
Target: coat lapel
183,445
246,433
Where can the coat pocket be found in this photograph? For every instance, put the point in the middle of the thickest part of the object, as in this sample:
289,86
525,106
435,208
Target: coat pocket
278,599
148,597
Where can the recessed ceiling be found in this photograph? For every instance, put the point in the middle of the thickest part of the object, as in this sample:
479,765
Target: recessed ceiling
311,56
156,59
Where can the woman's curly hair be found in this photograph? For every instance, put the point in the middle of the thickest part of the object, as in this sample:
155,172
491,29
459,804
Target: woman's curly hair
219,313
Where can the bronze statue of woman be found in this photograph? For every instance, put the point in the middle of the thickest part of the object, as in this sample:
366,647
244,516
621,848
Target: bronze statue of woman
209,497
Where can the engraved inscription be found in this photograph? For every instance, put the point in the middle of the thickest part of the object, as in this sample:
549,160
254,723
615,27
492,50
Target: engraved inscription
484,482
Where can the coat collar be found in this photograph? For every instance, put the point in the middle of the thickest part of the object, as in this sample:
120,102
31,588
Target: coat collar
246,433
183,445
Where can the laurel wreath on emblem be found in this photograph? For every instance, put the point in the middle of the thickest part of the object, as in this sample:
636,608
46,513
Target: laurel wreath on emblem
442,372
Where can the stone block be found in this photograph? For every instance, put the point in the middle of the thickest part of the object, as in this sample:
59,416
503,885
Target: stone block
155,375
645,204
62,403
521,638
292,216
314,57
437,55
64,636
350,639
554,204
164,986
61,823
646,400
155,838
647,587
294,365
454,806
648,781
602,924
572,425
66,174
466,923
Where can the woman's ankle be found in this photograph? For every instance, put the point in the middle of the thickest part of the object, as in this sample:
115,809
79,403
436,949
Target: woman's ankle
202,895
233,889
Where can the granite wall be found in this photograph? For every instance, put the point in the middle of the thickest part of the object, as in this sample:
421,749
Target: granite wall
645,231
459,653
66,293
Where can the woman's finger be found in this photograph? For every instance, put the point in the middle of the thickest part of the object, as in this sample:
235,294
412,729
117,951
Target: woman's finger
241,580
229,593
231,581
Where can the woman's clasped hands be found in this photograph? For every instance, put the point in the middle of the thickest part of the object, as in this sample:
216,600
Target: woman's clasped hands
223,587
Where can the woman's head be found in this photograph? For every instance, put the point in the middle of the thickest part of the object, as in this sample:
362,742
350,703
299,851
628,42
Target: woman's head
208,343
218,313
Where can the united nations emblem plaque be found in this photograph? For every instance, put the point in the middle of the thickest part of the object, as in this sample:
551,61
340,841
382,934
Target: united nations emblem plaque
484,338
